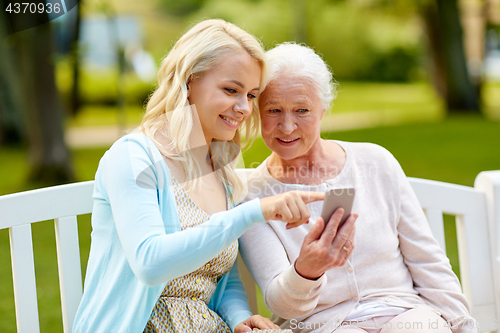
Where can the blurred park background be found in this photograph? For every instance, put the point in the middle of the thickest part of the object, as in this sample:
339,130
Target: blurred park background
419,77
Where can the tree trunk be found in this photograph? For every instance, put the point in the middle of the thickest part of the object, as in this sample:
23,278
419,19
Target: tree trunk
11,129
75,55
48,155
449,65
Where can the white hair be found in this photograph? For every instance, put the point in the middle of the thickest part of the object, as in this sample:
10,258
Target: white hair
301,61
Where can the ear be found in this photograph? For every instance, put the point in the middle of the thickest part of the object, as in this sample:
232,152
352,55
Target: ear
188,82
323,113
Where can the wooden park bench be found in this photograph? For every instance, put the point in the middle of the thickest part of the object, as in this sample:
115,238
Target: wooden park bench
477,211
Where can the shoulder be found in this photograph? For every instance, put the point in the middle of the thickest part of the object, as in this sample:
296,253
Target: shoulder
376,164
366,149
132,140
134,154
131,147
369,153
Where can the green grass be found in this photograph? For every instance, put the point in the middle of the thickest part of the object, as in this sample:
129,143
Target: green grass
455,150
85,162
14,168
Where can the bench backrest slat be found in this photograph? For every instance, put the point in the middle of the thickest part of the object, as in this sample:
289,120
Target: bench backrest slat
68,262
435,218
23,276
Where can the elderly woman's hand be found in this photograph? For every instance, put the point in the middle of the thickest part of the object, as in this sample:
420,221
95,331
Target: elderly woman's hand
289,207
323,250
255,321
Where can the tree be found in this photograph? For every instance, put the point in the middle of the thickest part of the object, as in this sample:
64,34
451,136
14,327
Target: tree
32,65
448,68
449,65
75,101
11,129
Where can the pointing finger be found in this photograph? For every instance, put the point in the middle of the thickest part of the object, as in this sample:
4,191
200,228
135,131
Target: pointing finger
311,196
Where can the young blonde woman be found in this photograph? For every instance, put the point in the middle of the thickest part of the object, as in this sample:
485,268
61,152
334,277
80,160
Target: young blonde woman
164,239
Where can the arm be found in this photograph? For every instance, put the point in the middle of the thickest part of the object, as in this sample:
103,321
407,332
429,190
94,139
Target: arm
157,251
286,293
430,268
233,306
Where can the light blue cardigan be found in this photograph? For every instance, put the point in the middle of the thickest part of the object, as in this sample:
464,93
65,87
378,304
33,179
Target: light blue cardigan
137,244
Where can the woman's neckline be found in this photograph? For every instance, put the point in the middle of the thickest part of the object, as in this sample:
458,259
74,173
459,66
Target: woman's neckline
174,179
337,178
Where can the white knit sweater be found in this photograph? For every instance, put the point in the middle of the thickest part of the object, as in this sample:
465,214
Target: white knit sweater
396,260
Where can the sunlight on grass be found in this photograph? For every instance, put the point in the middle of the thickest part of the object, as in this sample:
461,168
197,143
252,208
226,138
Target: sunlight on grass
361,96
92,115
491,99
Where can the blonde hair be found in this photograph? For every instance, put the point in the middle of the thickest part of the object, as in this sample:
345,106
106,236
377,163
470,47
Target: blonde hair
196,52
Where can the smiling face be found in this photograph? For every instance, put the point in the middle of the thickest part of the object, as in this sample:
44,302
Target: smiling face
291,112
224,95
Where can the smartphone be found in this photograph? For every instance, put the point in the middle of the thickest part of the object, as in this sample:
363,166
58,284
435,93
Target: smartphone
335,198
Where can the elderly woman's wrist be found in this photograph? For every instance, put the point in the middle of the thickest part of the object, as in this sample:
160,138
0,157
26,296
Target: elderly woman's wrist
314,276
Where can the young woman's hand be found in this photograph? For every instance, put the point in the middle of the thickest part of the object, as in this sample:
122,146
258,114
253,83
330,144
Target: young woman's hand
325,248
289,207
255,321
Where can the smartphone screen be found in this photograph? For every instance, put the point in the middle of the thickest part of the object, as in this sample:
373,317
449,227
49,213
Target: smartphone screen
335,198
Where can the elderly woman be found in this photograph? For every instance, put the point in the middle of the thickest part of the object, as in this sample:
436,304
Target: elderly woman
388,276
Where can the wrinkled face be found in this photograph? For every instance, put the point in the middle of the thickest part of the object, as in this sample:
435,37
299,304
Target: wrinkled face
291,112
224,95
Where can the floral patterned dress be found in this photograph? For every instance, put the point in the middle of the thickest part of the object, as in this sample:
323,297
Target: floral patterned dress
182,307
